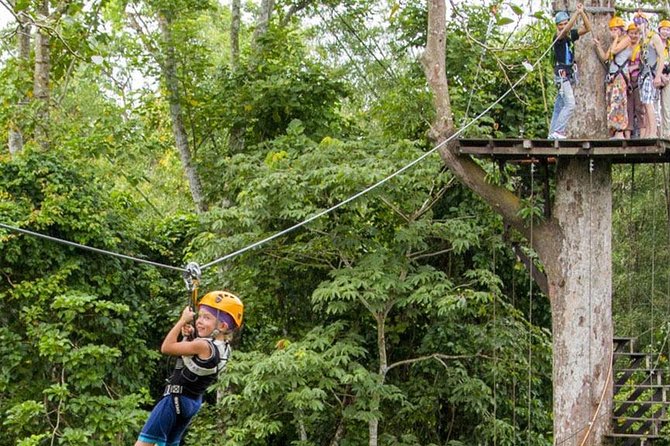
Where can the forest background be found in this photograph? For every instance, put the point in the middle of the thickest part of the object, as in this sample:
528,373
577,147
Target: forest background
179,131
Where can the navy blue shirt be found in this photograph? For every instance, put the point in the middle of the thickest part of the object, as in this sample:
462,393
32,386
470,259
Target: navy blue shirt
564,53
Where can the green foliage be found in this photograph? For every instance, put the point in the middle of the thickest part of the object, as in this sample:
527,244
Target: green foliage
402,308
76,327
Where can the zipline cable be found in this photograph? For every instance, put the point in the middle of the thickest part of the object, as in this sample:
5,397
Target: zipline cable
90,248
386,179
309,219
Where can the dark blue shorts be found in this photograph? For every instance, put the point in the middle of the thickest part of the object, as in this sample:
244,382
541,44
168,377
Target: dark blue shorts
164,427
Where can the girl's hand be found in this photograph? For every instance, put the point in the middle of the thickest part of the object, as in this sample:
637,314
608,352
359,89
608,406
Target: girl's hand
187,330
187,316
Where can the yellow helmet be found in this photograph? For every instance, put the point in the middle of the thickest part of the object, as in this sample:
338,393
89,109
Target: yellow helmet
616,22
226,302
631,27
664,24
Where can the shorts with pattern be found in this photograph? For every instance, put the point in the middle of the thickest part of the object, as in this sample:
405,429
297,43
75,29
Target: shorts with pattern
648,93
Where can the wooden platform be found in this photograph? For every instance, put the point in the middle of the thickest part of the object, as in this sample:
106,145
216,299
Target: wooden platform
629,151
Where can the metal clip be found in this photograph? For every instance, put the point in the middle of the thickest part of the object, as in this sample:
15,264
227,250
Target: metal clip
192,275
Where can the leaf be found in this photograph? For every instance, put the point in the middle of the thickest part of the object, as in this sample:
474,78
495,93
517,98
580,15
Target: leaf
504,21
517,9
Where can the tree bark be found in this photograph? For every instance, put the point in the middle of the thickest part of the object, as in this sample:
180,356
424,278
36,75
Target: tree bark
235,34
574,244
579,270
169,70
41,89
23,42
263,21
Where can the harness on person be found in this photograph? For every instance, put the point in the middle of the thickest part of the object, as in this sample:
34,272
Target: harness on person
566,69
192,375
620,69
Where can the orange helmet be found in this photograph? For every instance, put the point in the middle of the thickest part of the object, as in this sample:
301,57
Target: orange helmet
616,22
226,302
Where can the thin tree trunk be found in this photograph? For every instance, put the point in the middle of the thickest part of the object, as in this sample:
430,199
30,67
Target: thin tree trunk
375,403
41,89
235,34
169,70
23,42
263,21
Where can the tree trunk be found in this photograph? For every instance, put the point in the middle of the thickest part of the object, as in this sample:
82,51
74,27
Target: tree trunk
579,270
169,70
373,424
23,42
235,34
574,244
41,91
263,21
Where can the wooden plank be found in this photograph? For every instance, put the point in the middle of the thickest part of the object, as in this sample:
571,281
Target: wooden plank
521,152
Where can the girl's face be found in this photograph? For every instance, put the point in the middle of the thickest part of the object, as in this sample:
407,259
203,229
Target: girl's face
615,32
207,323
664,32
634,35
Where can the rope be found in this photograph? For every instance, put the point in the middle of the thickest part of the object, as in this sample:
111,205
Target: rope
489,28
309,219
530,301
89,248
495,355
590,273
653,262
600,403
384,180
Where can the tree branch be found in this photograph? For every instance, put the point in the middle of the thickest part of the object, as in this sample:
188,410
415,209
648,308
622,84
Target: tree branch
464,168
441,358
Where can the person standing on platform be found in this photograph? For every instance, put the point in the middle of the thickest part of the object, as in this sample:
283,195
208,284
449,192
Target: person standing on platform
616,58
649,80
664,32
636,123
565,70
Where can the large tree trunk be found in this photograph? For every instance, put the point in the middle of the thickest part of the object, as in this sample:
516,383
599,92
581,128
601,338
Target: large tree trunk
41,89
579,270
574,244
169,69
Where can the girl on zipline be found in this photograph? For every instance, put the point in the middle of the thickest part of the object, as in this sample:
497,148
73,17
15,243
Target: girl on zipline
616,58
200,361
564,68
636,118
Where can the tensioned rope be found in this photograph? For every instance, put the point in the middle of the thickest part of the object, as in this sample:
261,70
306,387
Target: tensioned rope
389,177
90,248
318,214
